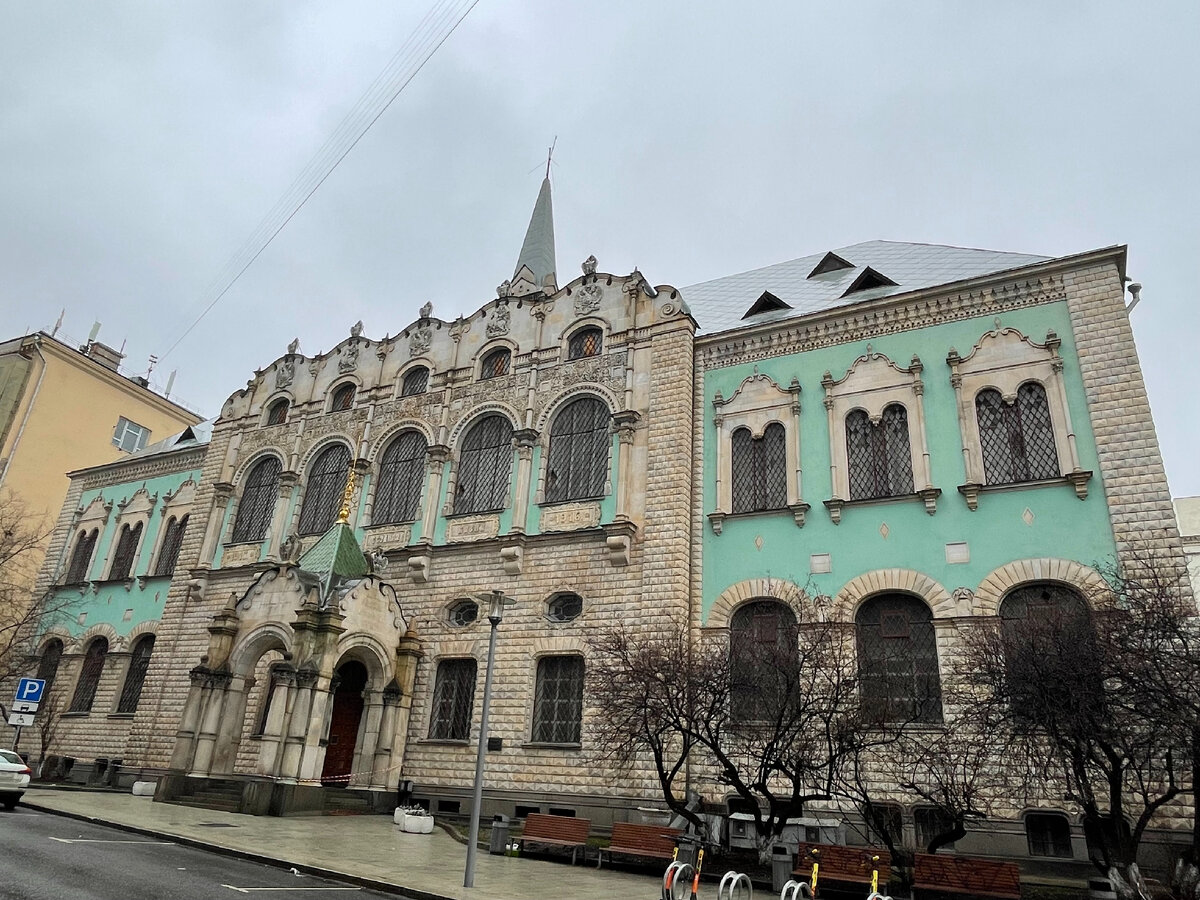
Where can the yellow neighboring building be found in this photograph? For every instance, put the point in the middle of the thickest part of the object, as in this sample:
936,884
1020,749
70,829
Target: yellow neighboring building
64,408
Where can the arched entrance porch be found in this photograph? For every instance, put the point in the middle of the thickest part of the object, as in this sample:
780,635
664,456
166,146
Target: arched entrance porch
348,689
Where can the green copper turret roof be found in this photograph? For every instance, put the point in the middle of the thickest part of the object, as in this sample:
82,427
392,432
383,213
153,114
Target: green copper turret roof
537,251
337,553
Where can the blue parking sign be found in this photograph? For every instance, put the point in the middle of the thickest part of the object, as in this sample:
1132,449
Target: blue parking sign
30,690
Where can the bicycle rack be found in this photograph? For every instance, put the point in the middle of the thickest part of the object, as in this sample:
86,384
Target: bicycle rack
677,881
796,890
735,886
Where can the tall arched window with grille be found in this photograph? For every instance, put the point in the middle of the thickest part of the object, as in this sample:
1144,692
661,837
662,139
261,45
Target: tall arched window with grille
585,342
81,557
577,463
48,664
257,503
324,490
484,466
89,676
1017,439
401,475
897,660
759,469
135,676
878,454
764,659
168,554
127,544
343,398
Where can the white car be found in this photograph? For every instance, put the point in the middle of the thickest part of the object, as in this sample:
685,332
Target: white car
14,778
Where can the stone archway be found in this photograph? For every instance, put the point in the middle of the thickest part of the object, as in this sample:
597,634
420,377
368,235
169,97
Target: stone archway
350,684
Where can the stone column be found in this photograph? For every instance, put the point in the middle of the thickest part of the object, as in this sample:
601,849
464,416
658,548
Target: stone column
297,725
222,492
365,744
275,531
380,774
189,722
523,440
625,424
283,677
210,722
408,655
233,721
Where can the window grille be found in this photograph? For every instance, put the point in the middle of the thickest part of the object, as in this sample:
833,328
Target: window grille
579,445
324,490
585,342
89,677
878,456
558,700
139,664
168,555
898,661
343,398
564,607
416,381
931,822
495,364
763,659
81,558
277,414
464,612
258,501
48,665
127,545
130,436
453,699
1049,834
401,475
759,468
1017,439
1048,637
484,466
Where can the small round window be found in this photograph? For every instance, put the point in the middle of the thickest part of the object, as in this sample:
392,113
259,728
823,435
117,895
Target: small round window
464,612
564,607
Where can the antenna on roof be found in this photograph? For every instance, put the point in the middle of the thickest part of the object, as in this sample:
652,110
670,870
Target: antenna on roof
550,155
153,363
95,331
170,383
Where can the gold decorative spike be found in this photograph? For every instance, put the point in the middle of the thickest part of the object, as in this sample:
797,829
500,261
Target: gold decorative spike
347,495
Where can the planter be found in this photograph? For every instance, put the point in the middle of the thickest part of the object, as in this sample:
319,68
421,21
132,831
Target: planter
418,824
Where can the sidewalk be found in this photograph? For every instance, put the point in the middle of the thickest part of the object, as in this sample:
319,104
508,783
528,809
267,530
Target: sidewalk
367,850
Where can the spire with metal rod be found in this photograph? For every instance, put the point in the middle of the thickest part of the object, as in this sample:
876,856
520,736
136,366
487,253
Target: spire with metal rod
537,252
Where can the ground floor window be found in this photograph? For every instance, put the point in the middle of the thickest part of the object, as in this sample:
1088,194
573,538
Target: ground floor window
558,700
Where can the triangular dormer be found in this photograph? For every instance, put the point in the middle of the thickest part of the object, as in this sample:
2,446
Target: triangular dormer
768,302
868,278
830,262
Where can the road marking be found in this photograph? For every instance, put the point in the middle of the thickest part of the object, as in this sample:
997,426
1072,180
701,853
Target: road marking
247,890
86,841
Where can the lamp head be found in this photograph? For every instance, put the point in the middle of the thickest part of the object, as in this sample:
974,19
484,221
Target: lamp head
496,602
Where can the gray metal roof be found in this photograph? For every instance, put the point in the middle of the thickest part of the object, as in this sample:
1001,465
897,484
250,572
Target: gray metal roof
193,436
537,251
721,304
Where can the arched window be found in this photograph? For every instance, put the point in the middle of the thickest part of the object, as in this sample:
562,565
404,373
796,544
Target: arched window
878,455
277,414
1017,439
323,492
578,459
168,554
81,558
48,664
401,474
897,660
343,398
764,659
258,501
127,544
89,677
484,466
416,381
135,677
759,469
585,342
495,363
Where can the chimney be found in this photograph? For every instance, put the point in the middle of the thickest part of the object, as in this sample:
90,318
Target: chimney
105,355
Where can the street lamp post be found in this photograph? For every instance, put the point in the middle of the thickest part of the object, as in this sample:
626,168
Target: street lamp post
496,603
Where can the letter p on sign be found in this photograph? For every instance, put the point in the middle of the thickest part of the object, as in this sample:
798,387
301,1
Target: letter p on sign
30,689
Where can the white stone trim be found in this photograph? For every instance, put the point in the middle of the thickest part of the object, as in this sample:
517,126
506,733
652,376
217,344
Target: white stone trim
723,608
886,581
1001,581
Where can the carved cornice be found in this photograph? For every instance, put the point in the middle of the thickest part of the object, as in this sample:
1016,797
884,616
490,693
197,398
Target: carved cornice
164,464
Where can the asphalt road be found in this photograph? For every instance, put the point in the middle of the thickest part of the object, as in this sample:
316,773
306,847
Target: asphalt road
49,857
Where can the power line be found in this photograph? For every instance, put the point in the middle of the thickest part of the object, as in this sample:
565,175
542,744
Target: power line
431,32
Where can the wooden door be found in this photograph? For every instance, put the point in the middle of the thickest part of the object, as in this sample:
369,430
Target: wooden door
343,724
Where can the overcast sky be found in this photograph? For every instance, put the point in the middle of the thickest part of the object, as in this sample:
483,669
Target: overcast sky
141,143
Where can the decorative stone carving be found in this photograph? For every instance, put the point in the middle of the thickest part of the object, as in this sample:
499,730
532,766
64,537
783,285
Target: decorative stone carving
510,558
503,288
498,325
473,528
589,265
387,537
963,600
285,373
349,361
426,310
356,329
240,554
289,550
571,516
294,347
587,299
418,567
420,341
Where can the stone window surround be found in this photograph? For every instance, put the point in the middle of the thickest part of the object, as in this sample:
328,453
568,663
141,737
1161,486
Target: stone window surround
131,511
417,362
521,438
486,350
234,490
176,504
549,648
122,654
337,385
1003,359
451,650
619,427
757,402
271,402
872,383
375,458
581,324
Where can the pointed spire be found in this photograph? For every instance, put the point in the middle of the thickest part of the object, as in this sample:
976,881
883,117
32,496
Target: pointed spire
537,252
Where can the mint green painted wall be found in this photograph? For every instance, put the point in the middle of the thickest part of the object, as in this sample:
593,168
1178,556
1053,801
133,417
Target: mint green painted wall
1063,526
111,601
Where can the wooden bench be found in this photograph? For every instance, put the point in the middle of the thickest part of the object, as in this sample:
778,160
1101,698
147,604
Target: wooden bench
651,841
556,831
837,863
963,877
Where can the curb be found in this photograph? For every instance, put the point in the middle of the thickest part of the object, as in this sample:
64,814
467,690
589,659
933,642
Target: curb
273,861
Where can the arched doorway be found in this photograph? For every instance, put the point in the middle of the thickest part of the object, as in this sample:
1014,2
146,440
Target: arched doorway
343,723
